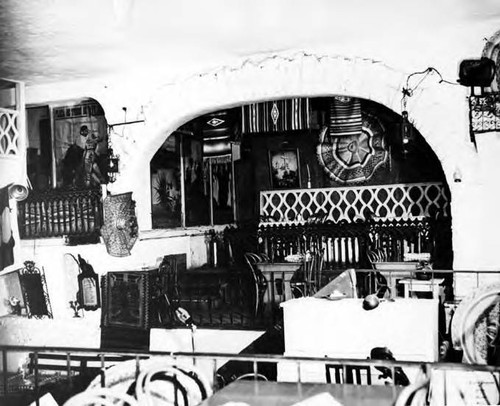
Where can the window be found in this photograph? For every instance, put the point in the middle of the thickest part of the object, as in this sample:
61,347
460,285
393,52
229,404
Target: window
203,195
67,145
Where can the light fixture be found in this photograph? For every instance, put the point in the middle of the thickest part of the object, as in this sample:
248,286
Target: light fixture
112,160
476,72
406,132
112,165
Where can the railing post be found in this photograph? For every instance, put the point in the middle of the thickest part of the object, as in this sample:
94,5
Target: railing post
5,375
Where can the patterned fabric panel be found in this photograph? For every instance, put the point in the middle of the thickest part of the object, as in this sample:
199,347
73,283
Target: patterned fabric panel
276,116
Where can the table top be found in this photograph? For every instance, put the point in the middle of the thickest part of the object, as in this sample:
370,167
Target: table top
414,281
256,393
278,266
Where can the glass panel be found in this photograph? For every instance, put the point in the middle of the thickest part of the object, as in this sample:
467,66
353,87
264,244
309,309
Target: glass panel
81,144
166,184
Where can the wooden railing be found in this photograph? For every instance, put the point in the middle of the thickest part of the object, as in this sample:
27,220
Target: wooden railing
57,213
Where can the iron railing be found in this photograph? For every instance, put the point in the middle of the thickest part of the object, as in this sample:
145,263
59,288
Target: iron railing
227,300
346,244
480,380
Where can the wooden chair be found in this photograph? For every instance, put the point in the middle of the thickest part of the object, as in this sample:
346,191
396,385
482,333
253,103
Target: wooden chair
309,281
250,376
348,374
376,279
259,282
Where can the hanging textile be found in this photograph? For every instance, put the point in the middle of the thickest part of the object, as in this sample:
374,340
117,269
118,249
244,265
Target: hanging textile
345,116
349,152
276,116
6,237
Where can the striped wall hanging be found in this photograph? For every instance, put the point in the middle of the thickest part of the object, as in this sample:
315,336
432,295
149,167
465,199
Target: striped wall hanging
276,116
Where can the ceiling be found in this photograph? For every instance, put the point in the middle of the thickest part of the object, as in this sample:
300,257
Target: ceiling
44,41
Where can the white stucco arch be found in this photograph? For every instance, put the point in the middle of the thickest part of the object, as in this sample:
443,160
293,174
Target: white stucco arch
280,76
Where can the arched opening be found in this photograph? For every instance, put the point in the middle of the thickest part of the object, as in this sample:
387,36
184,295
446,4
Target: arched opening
287,161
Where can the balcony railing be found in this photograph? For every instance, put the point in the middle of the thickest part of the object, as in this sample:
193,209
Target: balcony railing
451,383
57,213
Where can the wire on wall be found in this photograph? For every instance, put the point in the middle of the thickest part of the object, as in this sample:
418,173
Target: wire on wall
408,90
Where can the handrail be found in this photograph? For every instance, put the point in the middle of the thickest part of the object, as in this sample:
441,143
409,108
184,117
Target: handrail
254,357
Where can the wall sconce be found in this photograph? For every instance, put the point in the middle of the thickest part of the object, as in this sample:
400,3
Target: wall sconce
112,165
406,132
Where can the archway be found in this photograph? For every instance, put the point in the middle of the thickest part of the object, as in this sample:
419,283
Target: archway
283,76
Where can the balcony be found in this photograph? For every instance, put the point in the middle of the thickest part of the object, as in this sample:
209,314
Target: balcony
61,213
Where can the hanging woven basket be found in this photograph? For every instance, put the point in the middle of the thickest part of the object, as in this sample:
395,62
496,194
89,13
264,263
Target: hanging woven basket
120,224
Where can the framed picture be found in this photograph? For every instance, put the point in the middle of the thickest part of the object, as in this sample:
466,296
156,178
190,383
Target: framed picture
125,299
284,168
35,293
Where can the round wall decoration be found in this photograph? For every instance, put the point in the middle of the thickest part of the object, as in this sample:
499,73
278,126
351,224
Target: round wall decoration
354,157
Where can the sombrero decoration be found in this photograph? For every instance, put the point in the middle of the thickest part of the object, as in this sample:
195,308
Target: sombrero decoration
353,146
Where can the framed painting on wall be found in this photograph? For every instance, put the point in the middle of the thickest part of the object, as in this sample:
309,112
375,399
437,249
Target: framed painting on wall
284,168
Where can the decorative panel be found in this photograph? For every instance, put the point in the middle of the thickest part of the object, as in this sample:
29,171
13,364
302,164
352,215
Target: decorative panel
9,132
396,201
485,113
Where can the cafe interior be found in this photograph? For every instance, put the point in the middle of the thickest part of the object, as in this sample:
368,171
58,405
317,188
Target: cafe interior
227,209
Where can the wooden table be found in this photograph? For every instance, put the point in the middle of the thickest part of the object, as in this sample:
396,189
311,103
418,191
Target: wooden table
418,285
260,393
278,270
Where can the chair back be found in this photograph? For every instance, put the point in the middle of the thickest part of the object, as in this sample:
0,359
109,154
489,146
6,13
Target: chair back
354,374
250,376
258,279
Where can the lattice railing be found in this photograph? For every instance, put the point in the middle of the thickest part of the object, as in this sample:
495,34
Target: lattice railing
395,201
9,132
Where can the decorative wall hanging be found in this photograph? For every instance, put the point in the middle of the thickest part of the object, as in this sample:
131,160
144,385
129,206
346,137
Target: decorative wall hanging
284,169
347,151
484,112
125,300
120,224
276,116
34,287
